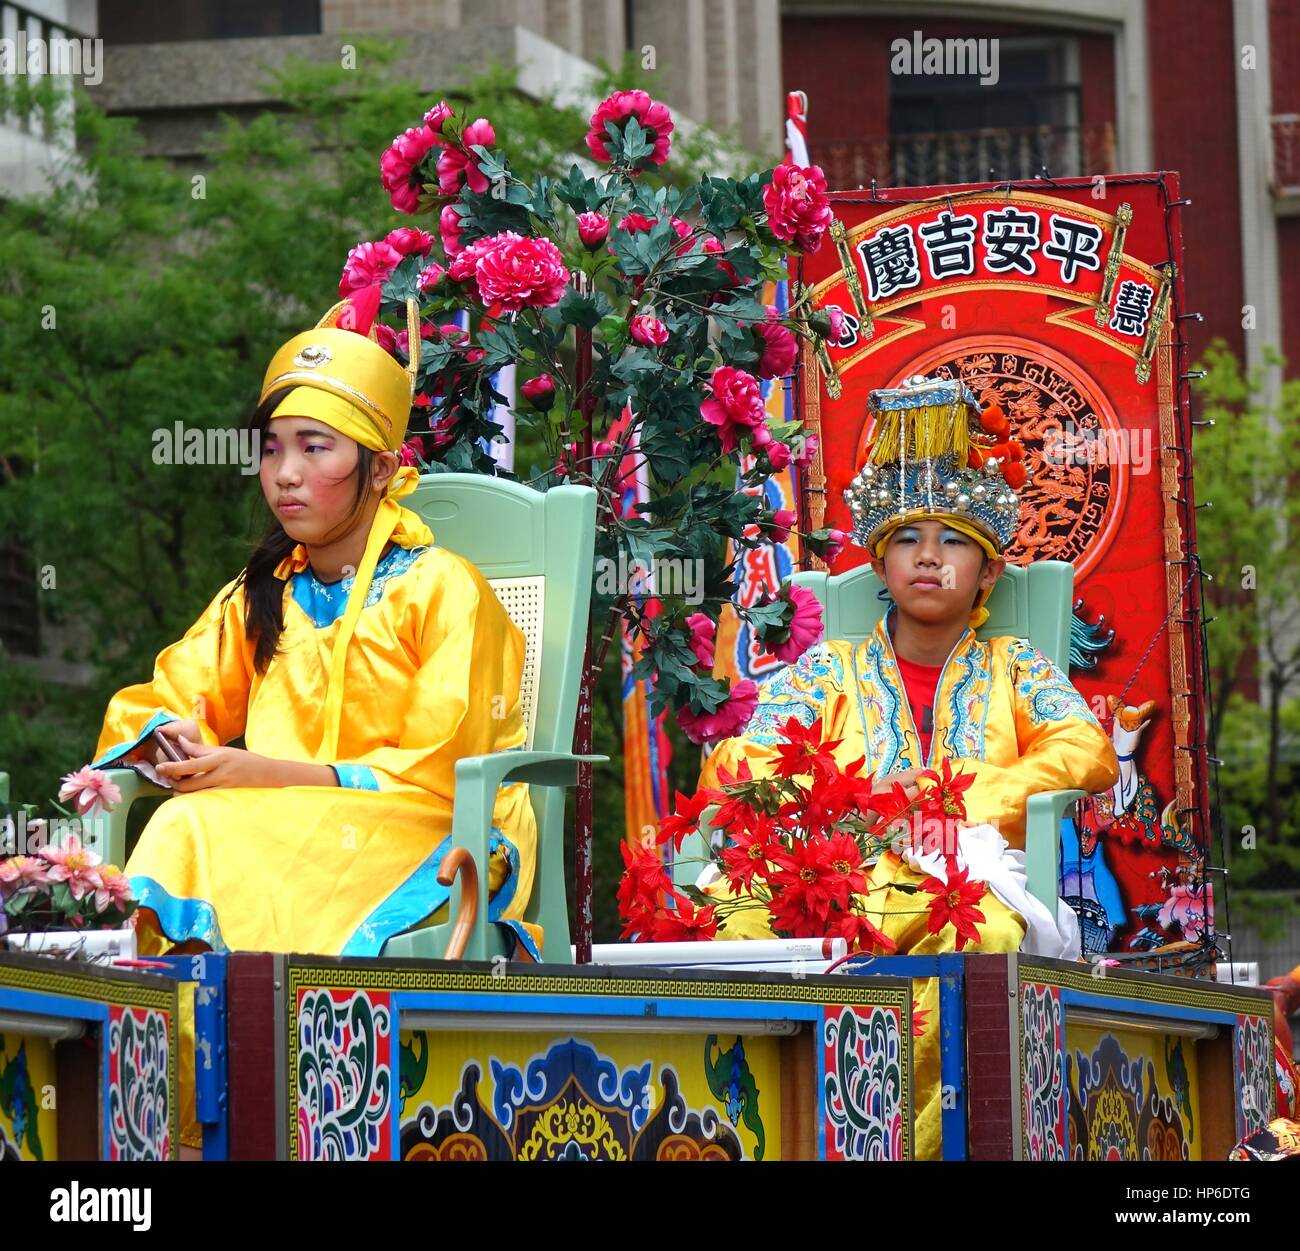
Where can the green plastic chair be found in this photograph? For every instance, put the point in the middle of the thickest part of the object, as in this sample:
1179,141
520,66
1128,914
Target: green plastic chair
1031,603
536,550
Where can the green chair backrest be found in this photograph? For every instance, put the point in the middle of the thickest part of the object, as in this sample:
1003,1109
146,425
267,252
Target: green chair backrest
1031,603
535,549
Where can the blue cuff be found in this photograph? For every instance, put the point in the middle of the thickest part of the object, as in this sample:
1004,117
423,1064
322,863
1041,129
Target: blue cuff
358,777
159,718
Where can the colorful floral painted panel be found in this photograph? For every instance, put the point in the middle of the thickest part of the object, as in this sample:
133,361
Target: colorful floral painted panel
468,1096
1042,1106
1133,1095
1256,1086
138,1107
27,1119
345,1075
864,1084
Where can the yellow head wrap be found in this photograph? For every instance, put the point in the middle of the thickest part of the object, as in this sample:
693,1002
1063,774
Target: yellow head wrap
979,614
350,383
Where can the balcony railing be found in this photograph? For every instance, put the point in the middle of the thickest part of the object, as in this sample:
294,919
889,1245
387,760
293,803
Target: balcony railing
48,125
919,160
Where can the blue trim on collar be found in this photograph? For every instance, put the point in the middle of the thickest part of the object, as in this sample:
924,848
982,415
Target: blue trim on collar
159,718
324,603
179,917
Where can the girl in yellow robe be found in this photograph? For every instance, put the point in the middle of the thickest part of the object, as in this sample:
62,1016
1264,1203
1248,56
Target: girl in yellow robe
355,696
999,709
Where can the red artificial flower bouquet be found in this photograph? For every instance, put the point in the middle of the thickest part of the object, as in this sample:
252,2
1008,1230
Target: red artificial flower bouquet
799,845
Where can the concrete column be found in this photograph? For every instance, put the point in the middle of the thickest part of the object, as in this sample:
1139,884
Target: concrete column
604,34
760,83
676,31
564,24
723,58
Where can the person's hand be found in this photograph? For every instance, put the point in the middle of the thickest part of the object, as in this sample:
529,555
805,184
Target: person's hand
906,778
209,767
172,730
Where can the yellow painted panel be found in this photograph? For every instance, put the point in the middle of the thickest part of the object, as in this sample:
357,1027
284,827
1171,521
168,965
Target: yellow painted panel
1133,1095
580,1095
27,1096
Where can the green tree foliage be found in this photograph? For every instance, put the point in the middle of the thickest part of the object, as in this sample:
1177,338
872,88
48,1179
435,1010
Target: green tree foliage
1248,465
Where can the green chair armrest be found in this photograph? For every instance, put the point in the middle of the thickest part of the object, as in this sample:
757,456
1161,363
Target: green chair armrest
477,780
1043,813
133,787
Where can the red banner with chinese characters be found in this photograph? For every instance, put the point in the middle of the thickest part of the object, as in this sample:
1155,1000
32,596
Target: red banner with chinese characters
1059,301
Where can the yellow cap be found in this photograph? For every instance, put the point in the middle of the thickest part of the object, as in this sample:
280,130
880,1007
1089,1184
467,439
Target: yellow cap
347,381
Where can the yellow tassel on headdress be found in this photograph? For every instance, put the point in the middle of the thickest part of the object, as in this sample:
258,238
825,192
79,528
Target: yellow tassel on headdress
914,434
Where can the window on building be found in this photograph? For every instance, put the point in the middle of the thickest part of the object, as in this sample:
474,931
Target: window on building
165,21
953,128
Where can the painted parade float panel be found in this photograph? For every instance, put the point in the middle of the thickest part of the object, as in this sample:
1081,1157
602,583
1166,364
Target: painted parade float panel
1107,1064
381,1060
88,1062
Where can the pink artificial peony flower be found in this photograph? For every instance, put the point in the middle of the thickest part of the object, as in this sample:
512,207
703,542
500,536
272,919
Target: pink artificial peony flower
409,241
74,864
368,265
798,208
836,541
399,165
539,391
592,229
514,272
475,355
648,331
114,888
654,118
780,348
637,223
779,528
1193,910
703,638
464,265
778,455
726,720
736,405
807,451
17,873
430,276
459,165
712,245
805,624
407,455
836,314
435,117
90,790
449,230
386,337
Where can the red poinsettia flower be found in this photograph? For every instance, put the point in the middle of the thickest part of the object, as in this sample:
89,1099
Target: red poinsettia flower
749,852
918,1019
641,888
804,885
945,796
685,818
686,924
954,901
861,934
804,752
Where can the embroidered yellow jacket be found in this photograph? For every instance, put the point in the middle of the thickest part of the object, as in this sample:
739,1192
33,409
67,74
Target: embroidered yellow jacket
1003,712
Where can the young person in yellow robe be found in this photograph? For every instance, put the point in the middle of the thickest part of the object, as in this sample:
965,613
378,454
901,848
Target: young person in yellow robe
935,511
355,695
